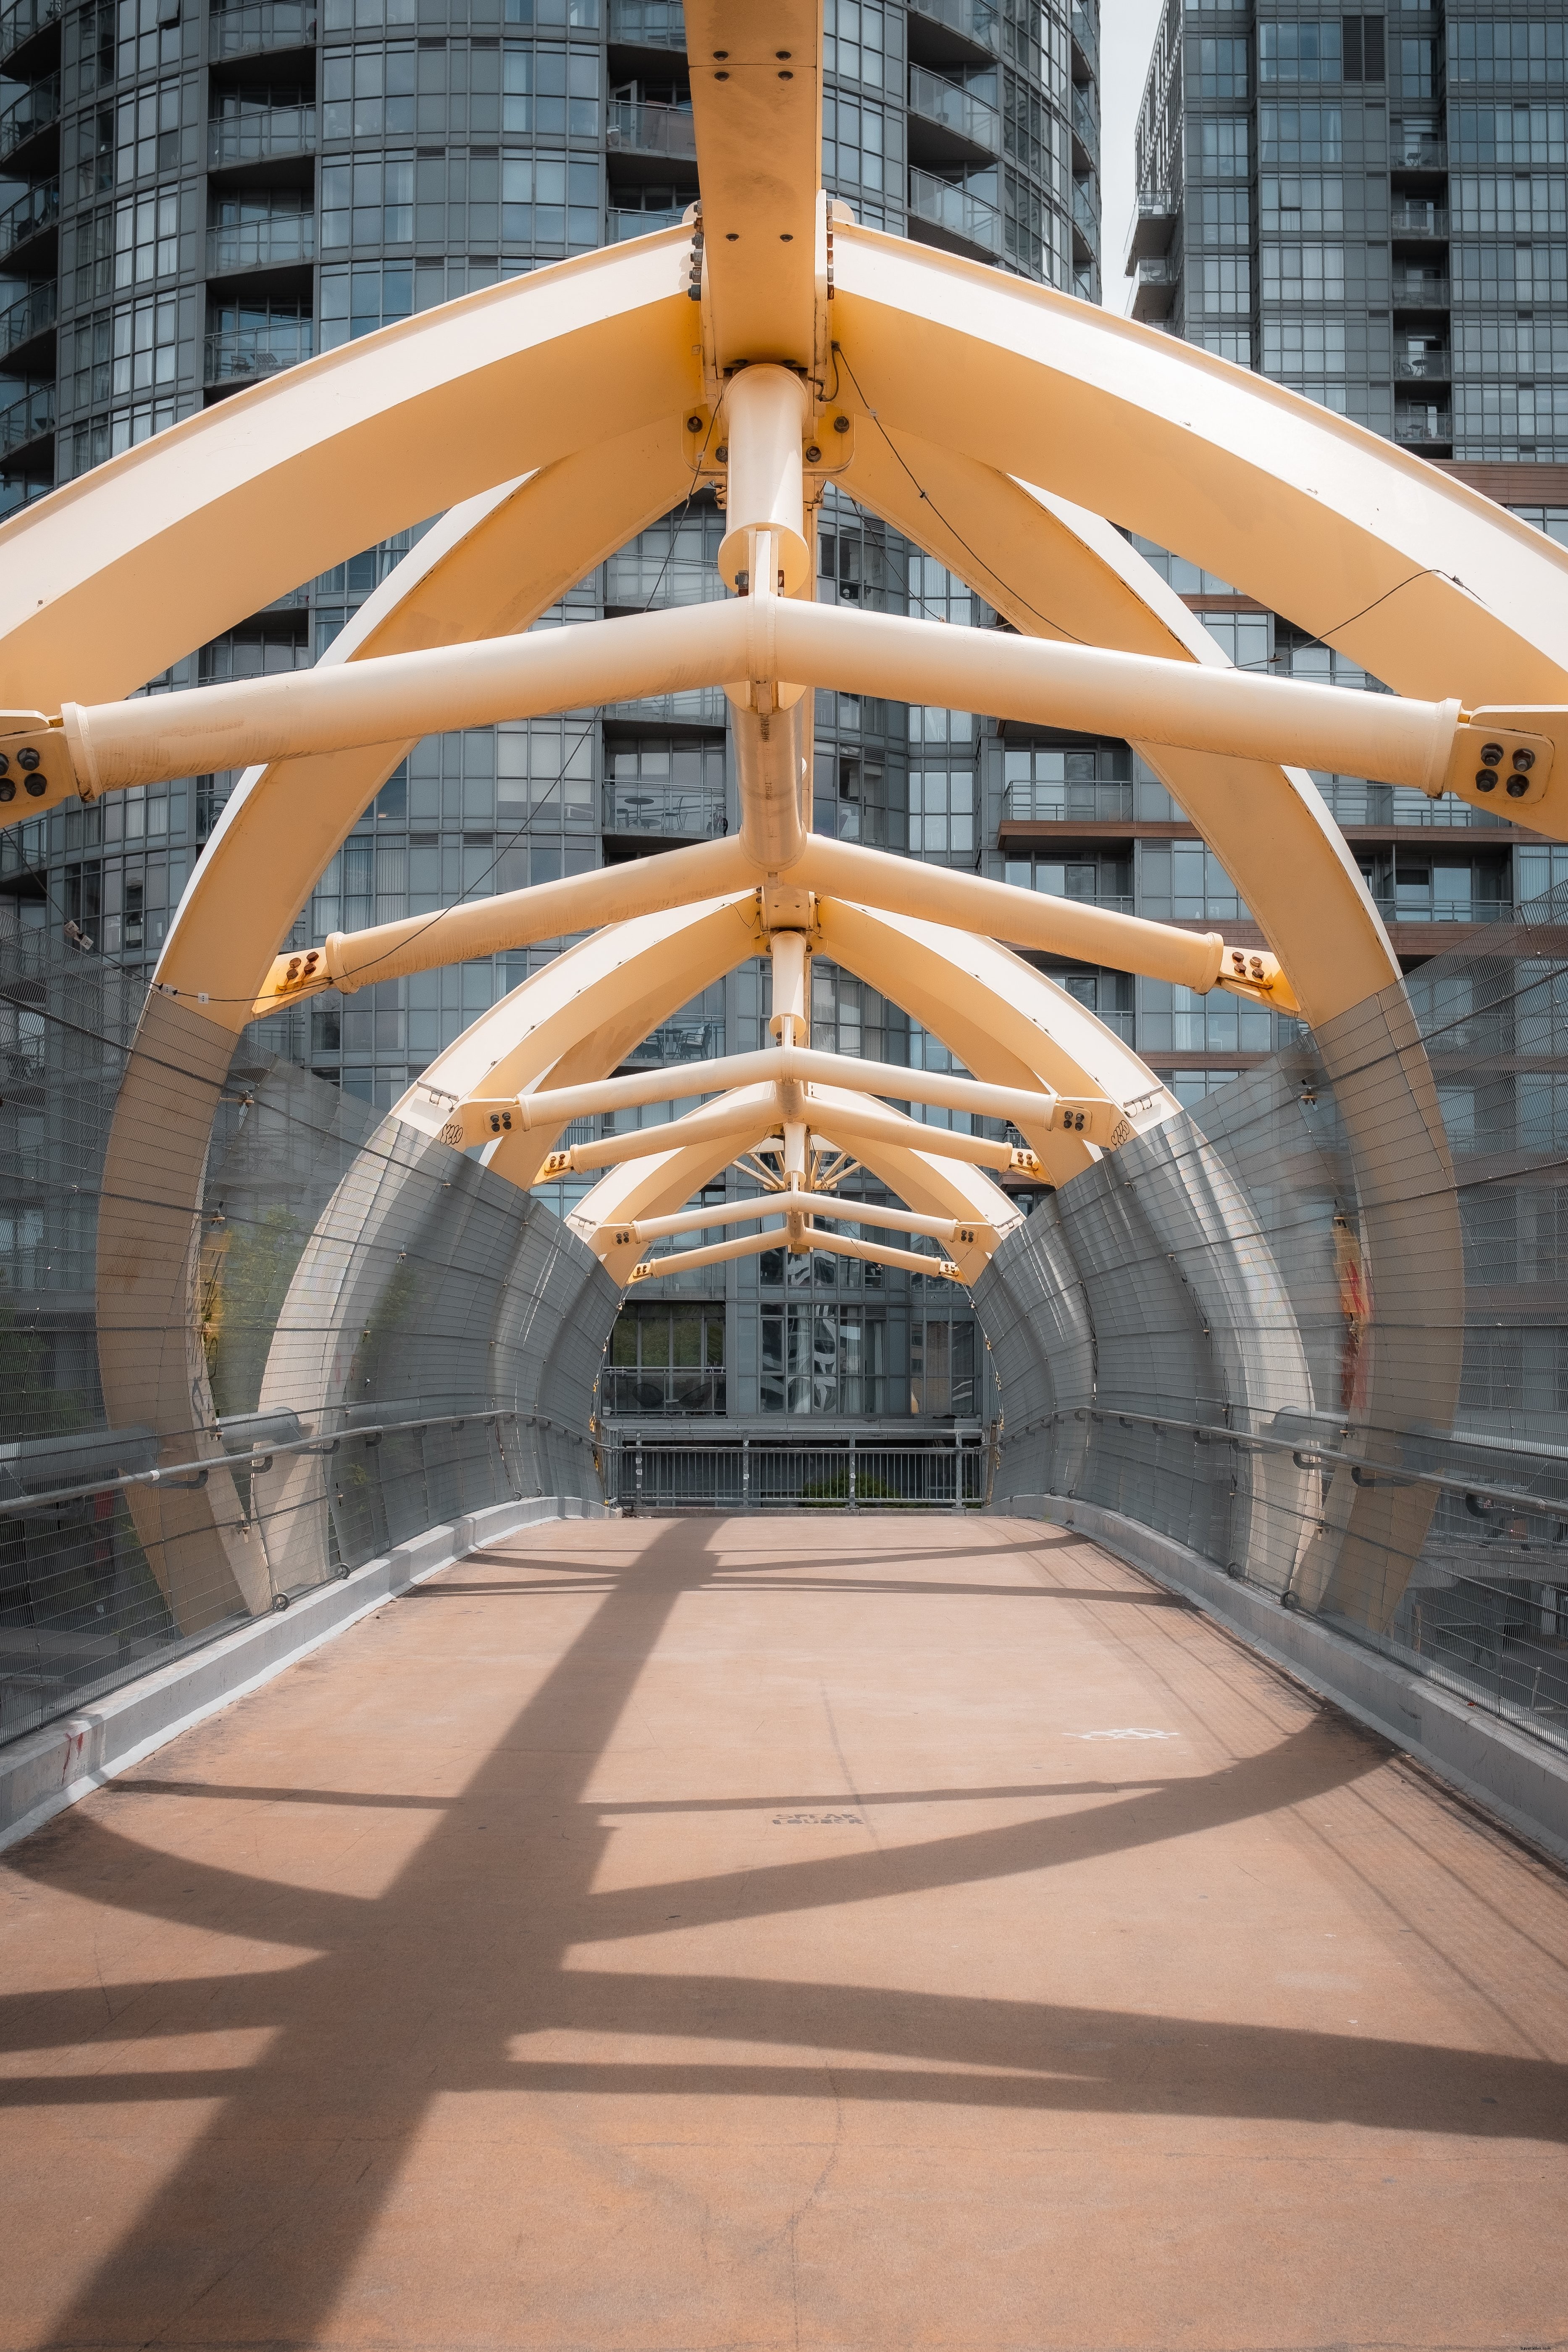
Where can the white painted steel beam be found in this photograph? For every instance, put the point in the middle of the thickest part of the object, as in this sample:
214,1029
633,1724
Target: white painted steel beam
754,1245
792,1204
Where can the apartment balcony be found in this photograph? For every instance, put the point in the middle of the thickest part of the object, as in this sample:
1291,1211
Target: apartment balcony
23,23
283,241
1423,426
1419,217
258,132
27,417
38,109
34,314
649,24
1154,292
1085,37
254,27
1085,123
643,129
652,813
1424,367
1056,801
973,224
31,217
1414,151
675,1042
1154,226
623,224
947,106
637,1393
1420,290
969,24
246,354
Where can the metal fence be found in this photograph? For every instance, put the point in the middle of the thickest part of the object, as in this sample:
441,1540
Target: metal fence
850,1473
1324,1351
382,1337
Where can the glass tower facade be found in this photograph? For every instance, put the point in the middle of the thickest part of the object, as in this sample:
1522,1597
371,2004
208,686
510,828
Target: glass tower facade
198,197
1370,209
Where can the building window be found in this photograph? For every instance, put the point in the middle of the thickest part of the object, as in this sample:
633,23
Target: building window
855,41
854,141
665,1360
1303,273
1294,347
1223,148
1301,202
1221,67
1510,134
1300,134
1308,52
941,1367
1506,50
818,1358
1225,285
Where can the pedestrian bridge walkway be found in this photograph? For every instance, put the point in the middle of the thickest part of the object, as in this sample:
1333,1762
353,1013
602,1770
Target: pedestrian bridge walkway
868,1932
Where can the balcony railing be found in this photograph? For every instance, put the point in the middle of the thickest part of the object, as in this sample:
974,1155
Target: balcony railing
260,243
976,20
1417,217
26,116
958,210
648,130
677,1041
260,24
1423,425
694,816
1086,35
20,23
649,23
1421,289
651,1391
956,108
624,224
34,314
1048,800
1417,151
1085,115
23,420
246,354
1155,287
261,131
30,214
695,706
1425,367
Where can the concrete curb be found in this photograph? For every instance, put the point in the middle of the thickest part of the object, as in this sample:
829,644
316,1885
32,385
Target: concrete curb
1520,1780
46,1771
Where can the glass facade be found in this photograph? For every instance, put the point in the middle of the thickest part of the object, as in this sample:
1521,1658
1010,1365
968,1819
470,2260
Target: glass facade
1363,208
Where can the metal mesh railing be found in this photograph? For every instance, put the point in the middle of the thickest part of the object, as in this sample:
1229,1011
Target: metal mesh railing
371,1337
1329,1354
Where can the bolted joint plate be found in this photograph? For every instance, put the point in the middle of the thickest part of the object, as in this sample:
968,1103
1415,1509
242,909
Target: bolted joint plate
481,1120
1502,760
37,771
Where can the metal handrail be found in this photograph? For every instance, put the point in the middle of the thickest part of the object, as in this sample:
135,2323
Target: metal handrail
172,1473
1310,1454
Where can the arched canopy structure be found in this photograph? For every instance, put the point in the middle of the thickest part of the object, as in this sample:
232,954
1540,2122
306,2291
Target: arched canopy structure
773,346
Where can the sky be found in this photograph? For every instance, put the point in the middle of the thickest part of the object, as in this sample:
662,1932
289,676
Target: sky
1126,38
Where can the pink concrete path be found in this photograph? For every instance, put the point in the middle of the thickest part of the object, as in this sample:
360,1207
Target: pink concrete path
771,1935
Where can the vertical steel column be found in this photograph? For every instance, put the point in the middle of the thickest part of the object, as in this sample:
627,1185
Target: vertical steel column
853,1504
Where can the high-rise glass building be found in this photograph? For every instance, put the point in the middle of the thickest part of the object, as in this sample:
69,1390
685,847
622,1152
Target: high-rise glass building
198,197
1371,208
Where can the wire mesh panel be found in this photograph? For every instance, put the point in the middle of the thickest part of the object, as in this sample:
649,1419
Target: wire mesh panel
1314,1328
367,1335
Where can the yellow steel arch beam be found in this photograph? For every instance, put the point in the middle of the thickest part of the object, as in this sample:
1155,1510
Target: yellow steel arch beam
1426,582
1006,1022
488,568
124,570
1053,569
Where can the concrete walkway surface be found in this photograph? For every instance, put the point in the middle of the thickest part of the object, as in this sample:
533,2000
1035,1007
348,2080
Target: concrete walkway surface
784,1935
